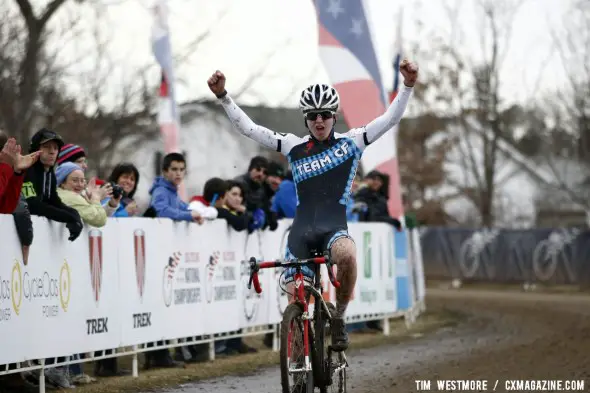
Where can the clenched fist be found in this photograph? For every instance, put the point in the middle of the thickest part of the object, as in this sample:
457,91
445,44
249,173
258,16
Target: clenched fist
409,71
217,83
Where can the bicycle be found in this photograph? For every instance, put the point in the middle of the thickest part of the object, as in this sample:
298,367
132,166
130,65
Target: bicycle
320,371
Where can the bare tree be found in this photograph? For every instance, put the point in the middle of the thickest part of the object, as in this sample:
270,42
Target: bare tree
424,146
469,95
22,41
565,114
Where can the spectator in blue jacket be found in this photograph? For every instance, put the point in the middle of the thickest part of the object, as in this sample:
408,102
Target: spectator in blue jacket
164,191
284,202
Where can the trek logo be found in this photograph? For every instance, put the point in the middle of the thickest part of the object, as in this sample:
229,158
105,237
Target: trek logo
328,159
139,248
142,320
95,248
97,326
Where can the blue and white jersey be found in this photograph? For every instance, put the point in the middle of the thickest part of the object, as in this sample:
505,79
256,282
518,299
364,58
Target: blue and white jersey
323,171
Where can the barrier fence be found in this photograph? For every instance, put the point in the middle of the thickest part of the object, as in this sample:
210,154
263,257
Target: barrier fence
551,256
140,280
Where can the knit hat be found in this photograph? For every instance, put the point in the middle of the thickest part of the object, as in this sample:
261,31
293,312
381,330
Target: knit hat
275,169
71,153
63,171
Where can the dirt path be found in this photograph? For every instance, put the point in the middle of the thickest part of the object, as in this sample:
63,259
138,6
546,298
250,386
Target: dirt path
506,336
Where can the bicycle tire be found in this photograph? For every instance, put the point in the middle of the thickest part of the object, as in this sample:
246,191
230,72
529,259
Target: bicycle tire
322,359
293,312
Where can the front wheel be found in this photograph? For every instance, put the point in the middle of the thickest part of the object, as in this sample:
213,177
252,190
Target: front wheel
294,377
334,363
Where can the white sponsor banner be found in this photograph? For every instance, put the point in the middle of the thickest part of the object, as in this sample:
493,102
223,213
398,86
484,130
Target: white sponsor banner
146,286
15,329
140,280
94,288
277,296
221,278
256,307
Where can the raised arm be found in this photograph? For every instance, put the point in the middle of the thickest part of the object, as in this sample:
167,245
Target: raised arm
368,134
244,125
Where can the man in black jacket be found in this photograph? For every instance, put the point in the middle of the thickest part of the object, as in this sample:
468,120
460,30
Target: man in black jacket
255,195
371,193
39,187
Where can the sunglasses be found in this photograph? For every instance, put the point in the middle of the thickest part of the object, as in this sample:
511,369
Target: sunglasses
314,115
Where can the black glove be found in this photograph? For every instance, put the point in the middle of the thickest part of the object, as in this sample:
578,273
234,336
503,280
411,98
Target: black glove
273,222
75,228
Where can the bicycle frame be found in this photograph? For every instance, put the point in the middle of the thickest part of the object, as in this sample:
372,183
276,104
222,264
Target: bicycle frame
299,293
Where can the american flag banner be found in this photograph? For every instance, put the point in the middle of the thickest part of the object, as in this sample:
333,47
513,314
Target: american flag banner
168,113
348,55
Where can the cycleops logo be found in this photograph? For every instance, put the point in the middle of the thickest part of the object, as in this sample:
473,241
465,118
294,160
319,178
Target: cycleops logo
140,260
476,251
95,248
168,278
210,280
555,249
43,287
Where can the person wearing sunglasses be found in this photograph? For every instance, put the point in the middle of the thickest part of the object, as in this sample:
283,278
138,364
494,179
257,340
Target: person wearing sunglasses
324,165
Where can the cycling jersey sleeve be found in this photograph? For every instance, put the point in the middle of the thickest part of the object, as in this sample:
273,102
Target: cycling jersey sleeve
280,142
368,134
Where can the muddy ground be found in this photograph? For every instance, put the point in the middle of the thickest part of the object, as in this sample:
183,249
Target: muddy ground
505,336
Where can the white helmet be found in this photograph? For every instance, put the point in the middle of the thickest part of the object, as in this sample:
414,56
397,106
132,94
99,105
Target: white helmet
319,97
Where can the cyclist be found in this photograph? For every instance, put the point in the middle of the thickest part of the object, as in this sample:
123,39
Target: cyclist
324,164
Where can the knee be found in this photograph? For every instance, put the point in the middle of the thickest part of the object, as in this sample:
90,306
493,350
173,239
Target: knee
344,252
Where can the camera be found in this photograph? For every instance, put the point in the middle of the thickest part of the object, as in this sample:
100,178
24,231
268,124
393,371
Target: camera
117,190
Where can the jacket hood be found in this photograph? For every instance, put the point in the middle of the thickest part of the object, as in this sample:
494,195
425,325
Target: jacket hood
161,182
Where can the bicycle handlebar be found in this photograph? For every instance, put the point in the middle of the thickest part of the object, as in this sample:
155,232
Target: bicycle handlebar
256,266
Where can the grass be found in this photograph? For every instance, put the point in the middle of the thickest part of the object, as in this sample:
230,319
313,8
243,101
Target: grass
155,379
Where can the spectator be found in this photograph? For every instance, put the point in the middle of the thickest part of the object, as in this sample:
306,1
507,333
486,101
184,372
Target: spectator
274,175
371,194
230,206
164,191
355,209
252,183
39,187
12,167
411,221
71,190
10,187
213,195
126,176
166,203
284,202
77,155
72,153
234,210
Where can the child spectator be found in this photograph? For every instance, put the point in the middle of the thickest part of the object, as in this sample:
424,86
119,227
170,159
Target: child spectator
39,187
164,191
